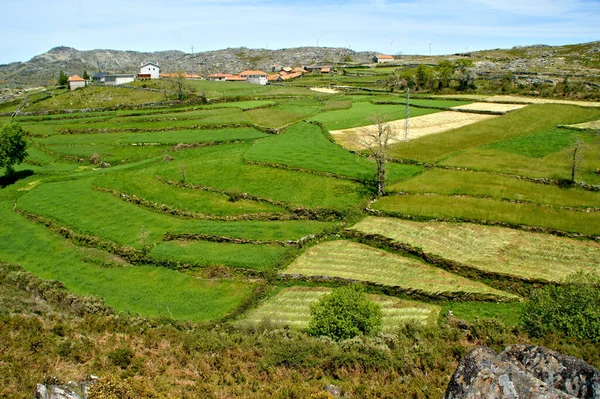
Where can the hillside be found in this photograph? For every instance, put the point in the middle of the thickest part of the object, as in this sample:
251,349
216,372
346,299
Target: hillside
44,68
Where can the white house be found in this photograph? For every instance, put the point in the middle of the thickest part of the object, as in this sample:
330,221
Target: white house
381,58
75,82
149,70
256,77
118,79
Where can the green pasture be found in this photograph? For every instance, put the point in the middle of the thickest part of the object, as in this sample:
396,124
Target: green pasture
243,89
97,97
362,114
481,184
401,99
533,119
291,307
487,209
350,260
141,289
508,313
493,249
143,184
304,146
74,204
547,154
206,254
222,168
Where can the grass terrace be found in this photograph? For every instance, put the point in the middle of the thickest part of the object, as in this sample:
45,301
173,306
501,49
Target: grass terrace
492,249
350,260
291,307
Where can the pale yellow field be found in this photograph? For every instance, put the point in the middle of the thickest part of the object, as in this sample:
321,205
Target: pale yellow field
533,100
291,307
494,249
488,106
324,90
588,125
418,127
353,261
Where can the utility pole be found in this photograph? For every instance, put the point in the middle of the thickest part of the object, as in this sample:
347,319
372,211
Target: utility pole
406,115
192,61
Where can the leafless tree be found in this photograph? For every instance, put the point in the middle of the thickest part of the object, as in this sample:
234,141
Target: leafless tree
376,139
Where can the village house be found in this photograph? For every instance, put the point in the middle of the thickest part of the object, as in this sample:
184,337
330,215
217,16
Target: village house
381,58
256,77
99,77
149,70
75,82
118,79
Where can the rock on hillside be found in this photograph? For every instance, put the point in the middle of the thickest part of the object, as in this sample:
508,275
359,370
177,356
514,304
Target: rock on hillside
523,371
43,69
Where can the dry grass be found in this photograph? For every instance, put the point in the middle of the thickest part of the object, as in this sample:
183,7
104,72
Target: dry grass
350,260
418,127
324,90
488,106
291,307
493,249
592,125
532,100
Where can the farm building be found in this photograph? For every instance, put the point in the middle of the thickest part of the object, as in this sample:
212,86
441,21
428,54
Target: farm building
325,69
381,58
75,82
149,70
118,79
256,77
99,77
274,78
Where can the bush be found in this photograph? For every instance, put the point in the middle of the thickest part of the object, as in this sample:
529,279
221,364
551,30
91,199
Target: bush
572,308
121,357
344,314
12,146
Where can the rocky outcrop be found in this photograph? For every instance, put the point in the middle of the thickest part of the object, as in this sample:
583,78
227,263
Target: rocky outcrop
523,372
55,389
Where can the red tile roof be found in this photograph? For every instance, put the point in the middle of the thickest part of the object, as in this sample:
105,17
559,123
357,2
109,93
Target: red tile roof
246,73
385,57
76,78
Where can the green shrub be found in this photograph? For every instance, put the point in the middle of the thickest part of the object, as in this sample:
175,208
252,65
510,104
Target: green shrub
121,357
572,309
344,314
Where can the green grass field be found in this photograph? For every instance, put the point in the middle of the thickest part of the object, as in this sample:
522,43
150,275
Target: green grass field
532,119
291,307
140,289
454,182
304,146
350,260
492,249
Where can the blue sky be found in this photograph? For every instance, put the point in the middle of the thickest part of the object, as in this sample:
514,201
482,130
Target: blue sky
32,27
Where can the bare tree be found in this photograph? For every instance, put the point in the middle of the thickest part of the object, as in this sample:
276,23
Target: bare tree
376,139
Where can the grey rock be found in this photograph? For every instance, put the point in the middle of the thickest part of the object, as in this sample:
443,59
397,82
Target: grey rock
334,391
485,374
566,373
54,392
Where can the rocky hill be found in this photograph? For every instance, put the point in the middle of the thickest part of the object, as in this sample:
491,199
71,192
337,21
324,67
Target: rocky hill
44,68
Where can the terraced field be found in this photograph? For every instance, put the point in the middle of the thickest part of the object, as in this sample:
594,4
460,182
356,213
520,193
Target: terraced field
291,307
492,249
221,198
352,261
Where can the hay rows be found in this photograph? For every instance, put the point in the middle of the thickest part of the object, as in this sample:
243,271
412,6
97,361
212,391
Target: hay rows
491,107
492,249
291,307
353,261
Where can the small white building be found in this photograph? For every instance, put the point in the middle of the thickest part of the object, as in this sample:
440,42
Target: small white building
75,82
256,77
118,79
149,70
381,58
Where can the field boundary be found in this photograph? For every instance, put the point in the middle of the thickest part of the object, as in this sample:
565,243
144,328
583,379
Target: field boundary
299,243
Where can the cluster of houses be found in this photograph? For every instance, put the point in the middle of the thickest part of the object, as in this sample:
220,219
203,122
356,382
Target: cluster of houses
278,74
151,70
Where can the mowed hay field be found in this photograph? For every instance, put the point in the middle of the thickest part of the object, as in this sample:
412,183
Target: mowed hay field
291,307
490,107
419,126
353,261
492,249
